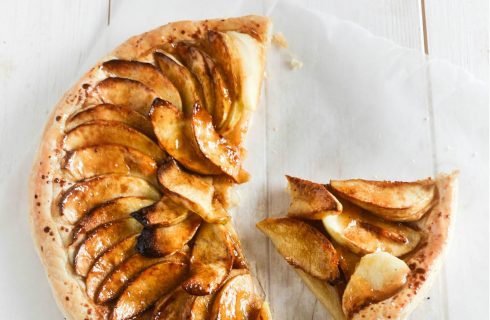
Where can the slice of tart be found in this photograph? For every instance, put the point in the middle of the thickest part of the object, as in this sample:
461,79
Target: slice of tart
132,184
366,249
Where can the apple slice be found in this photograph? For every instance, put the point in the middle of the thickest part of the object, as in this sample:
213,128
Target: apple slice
163,213
194,192
199,308
194,60
170,128
190,90
113,210
363,233
311,200
126,92
111,132
223,191
86,195
107,263
264,312
211,260
215,148
239,261
147,74
175,305
110,112
115,282
147,288
302,246
94,161
378,276
101,239
347,260
395,201
161,241
236,300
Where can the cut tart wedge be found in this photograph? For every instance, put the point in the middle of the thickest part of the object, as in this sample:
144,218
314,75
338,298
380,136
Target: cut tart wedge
133,179
374,255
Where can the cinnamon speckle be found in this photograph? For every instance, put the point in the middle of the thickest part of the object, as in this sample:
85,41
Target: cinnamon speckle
46,229
38,204
35,196
43,177
58,118
182,31
67,298
85,86
56,180
42,249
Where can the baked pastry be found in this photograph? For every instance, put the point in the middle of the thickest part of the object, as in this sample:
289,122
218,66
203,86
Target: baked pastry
133,179
366,249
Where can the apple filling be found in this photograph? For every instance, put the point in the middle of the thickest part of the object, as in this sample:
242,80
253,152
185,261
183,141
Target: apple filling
368,231
153,154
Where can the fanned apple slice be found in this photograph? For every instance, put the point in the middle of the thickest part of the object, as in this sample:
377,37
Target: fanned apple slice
161,241
215,148
190,90
236,300
94,161
101,239
86,195
378,276
194,192
110,112
302,246
195,61
391,200
363,233
147,288
264,312
224,192
239,261
211,260
173,306
163,213
107,263
115,282
170,128
147,74
126,92
311,200
113,210
111,132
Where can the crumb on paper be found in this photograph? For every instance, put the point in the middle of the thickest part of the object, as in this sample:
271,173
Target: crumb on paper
279,40
274,129
295,64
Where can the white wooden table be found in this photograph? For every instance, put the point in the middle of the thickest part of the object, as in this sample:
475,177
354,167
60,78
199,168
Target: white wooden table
44,44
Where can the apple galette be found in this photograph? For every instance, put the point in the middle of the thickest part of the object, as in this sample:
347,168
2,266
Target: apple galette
367,249
132,184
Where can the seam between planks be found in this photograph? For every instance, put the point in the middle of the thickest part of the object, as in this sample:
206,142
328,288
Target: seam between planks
109,6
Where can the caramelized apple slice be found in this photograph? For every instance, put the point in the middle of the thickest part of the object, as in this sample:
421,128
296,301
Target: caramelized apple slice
236,300
147,74
194,60
194,192
199,308
311,200
173,306
110,112
86,195
161,241
223,187
395,201
115,282
363,233
302,246
147,288
101,239
94,161
189,89
347,260
378,276
217,149
239,261
111,132
211,260
170,129
164,213
107,263
113,210
264,312
126,92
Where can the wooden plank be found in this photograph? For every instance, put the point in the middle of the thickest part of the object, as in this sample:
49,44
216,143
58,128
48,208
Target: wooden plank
458,32
42,45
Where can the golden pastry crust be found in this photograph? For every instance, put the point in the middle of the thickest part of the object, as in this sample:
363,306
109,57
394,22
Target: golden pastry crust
424,263
50,230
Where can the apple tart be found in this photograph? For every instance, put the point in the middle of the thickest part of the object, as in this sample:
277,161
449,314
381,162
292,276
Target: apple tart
366,249
132,184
